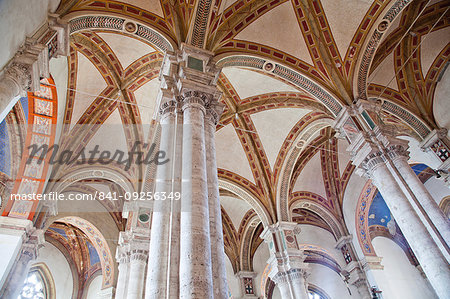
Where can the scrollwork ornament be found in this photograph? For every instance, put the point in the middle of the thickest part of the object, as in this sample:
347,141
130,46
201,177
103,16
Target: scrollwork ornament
21,74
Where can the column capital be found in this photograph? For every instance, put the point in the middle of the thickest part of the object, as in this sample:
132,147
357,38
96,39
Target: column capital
138,254
376,158
344,240
168,107
213,112
191,75
292,274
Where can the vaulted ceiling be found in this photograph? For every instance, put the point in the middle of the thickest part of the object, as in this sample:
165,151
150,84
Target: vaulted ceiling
288,68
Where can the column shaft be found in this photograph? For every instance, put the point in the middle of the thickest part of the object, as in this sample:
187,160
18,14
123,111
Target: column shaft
422,244
429,205
122,279
298,285
217,246
195,246
158,263
138,260
284,290
174,262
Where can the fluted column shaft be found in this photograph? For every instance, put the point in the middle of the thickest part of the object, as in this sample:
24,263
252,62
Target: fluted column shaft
285,291
291,284
195,246
220,286
158,263
298,284
138,260
415,232
429,205
123,277
174,262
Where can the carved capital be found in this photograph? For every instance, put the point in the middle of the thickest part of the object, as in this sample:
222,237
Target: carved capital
397,151
213,112
293,274
168,107
371,162
195,99
20,74
138,255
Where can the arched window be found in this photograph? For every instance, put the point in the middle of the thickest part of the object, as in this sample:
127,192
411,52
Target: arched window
314,292
33,287
314,295
38,284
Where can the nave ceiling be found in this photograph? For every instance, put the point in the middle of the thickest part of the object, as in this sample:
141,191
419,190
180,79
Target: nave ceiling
277,155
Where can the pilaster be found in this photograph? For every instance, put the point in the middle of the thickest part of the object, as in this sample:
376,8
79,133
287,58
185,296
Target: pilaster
287,267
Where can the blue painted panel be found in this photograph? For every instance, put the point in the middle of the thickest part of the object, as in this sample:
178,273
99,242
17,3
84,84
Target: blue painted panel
59,231
379,213
5,150
419,168
93,255
24,102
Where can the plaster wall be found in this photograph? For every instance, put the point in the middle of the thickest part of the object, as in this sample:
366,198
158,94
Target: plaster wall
233,281
329,281
21,18
437,189
441,103
320,237
398,279
10,247
59,269
94,287
262,254
351,195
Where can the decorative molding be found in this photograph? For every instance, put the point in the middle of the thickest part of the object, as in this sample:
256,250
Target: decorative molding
118,24
329,101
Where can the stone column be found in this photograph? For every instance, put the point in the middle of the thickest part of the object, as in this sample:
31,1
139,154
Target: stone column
220,286
428,254
291,284
195,247
174,256
426,204
191,76
287,267
123,259
138,261
156,284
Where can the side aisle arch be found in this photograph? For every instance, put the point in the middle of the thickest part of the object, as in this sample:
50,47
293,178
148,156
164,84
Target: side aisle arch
101,246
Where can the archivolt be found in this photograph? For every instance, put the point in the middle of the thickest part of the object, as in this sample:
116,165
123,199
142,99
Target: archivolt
247,196
328,217
299,144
